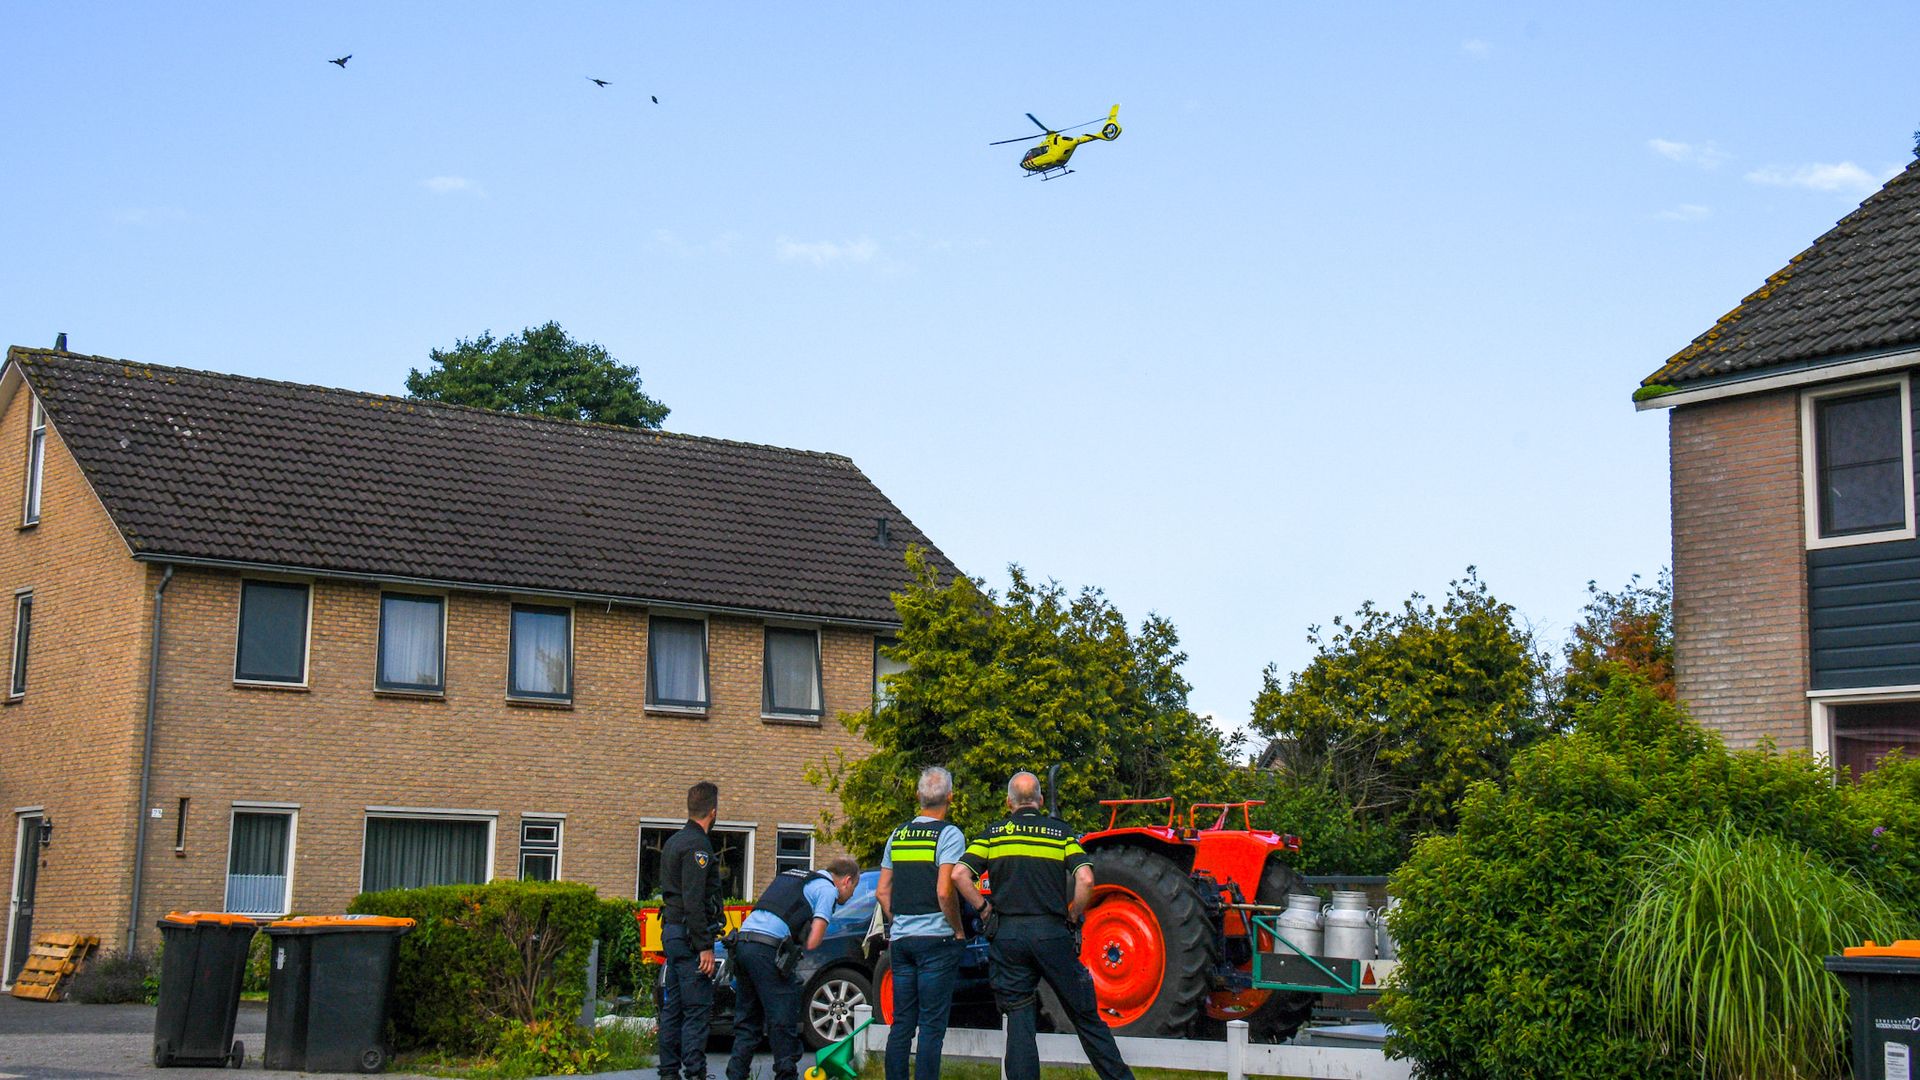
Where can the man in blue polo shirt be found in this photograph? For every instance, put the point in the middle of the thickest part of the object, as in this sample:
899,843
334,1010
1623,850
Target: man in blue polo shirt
790,918
926,937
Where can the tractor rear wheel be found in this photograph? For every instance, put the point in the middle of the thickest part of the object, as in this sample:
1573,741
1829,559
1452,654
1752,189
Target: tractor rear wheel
1147,942
1282,1013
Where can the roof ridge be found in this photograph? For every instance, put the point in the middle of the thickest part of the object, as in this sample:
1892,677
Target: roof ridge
25,351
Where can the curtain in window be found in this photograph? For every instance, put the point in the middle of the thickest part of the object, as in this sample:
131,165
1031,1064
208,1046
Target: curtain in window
793,671
273,632
676,655
22,639
1863,734
407,853
884,666
410,641
540,652
257,864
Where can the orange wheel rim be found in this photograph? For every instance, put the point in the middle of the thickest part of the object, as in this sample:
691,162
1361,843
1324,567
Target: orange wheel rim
1226,1005
1124,948
885,994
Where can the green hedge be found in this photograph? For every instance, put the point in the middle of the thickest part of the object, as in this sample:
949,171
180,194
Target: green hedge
1504,927
486,958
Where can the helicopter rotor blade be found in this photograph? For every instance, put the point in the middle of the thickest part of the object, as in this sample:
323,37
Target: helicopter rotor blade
1038,124
1023,138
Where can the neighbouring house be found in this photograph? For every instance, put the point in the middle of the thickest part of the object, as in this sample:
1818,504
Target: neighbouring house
271,645
1796,567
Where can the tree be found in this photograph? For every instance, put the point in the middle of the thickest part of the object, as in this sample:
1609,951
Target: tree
1401,711
1629,632
993,686
541,371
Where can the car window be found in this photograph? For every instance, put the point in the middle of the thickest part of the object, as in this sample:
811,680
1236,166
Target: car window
858,910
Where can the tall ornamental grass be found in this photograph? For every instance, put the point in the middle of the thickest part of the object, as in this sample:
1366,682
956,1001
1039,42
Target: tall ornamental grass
1718,957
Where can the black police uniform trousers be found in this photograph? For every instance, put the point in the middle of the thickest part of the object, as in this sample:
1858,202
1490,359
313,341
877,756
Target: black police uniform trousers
686,1008
1024,950
766,1001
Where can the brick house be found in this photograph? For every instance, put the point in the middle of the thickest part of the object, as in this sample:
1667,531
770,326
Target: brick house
1796,566
273,644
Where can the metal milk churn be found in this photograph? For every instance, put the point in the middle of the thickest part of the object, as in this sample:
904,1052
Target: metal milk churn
1389,949
1349,930
1300,923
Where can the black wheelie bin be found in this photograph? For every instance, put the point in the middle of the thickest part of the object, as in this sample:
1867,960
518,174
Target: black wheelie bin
203,961
328,990
1883,1008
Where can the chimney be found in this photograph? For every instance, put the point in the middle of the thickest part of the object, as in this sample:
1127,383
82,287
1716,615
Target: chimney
60,342
880,531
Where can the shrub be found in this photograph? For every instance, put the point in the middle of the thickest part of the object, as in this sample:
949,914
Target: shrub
481,955
259,964
1504,927
115,978
558,1047
1715,911
1334,838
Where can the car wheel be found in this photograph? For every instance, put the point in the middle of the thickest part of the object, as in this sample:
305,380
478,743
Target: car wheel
829,1004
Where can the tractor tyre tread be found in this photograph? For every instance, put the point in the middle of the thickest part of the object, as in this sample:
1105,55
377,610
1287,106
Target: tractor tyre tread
1281,1014
1192,946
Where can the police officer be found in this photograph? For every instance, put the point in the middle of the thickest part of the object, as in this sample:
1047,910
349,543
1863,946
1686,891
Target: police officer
790,917
925,935
1042,881
691,919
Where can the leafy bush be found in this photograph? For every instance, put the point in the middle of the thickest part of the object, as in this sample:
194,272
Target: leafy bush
259,964
1334,839
1504,927
621,972
116,978
558,1047
481,955
1720,954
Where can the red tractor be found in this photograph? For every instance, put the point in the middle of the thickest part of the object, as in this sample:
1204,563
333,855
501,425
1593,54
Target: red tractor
1168,938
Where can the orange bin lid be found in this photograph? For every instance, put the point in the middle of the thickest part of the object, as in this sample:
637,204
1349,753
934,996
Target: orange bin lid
217,918
341,922
1906,947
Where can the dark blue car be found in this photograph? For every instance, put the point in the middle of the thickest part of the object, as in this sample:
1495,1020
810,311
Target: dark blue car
843,973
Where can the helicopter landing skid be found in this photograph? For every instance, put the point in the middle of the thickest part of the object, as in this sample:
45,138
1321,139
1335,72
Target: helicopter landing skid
1052,174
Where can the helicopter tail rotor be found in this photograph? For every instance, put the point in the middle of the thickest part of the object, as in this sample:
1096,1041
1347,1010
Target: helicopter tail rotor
1111,131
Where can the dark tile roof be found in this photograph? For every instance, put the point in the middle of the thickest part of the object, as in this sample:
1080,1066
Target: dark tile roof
1856,290
202,466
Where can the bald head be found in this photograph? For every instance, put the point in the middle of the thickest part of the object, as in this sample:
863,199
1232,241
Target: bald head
1023,792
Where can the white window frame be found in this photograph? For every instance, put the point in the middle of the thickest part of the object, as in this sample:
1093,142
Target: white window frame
751,828
491,817
706,662
819,674
239,610
20,652
292,814
559,823
1822,704
813,843
380,640
1810,465
36,463
573,654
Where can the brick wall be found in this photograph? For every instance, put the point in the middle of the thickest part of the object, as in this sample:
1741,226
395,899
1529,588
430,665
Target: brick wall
1739,567
338,747
72,743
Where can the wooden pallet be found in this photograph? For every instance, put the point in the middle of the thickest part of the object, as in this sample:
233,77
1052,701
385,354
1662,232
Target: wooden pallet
54,959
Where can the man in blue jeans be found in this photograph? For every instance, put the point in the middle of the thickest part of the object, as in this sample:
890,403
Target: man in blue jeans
790,918
926,936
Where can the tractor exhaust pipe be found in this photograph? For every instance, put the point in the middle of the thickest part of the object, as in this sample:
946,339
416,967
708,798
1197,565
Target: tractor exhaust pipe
1053,788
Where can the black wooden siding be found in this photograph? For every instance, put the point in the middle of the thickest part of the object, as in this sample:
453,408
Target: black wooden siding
1863,610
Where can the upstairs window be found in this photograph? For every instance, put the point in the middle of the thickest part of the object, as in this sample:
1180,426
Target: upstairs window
273,633
22,634
883,666
792,672
36,460
412,643
677,662
1860,473
540,656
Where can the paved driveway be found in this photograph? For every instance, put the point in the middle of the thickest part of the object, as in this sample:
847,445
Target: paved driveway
67,1041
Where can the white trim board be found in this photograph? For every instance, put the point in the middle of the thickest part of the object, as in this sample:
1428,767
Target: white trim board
1785,380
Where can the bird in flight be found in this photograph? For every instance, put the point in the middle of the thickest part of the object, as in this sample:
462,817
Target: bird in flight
656,100
342,61
597,82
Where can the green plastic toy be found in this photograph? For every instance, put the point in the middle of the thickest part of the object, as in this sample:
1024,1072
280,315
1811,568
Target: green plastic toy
836,1062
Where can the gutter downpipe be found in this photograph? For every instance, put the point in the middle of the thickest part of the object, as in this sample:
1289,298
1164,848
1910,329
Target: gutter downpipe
146,761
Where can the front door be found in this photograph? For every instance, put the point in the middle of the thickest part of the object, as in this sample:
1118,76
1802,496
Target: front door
26,875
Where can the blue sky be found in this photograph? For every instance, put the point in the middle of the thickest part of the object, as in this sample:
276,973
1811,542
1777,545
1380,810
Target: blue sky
1356,300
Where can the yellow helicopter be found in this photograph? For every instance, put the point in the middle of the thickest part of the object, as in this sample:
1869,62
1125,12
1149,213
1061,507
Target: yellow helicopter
1049,159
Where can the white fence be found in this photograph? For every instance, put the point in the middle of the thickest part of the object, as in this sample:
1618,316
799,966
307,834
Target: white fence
1236,1057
